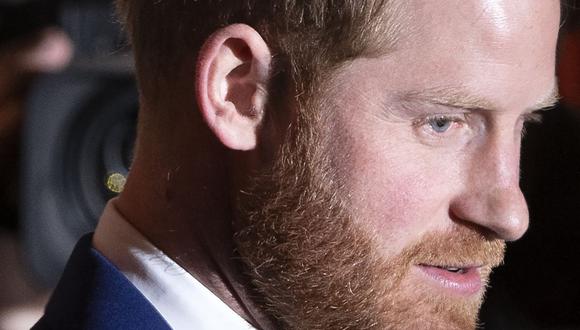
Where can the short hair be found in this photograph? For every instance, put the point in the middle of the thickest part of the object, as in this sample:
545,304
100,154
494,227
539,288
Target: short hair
306,37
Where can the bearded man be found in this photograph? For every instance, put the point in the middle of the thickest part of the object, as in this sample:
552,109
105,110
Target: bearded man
316,165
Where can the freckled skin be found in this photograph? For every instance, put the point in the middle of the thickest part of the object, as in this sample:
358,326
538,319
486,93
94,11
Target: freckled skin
404,180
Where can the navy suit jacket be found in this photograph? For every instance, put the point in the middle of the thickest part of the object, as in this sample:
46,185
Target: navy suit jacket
93,294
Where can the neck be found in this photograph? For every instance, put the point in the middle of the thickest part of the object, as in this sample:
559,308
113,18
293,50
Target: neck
184,208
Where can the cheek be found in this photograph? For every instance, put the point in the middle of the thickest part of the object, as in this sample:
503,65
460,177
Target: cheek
395,189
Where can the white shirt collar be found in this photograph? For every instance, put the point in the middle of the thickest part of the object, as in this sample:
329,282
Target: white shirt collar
180,299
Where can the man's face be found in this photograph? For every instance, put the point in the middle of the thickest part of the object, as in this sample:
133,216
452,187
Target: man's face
429,136
394,210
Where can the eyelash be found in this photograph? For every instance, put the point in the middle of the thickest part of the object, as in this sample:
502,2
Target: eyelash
527,119
458,119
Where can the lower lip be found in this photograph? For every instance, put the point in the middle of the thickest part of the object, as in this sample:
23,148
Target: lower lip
466,284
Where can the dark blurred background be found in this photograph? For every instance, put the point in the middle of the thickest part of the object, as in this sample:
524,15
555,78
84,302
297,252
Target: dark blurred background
67,122
67,115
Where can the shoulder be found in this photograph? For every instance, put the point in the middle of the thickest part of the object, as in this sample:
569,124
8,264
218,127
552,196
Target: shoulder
93,294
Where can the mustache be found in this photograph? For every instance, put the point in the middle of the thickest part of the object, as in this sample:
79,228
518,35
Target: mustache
461,247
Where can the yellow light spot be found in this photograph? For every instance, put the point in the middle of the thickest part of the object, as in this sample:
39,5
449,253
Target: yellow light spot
116,183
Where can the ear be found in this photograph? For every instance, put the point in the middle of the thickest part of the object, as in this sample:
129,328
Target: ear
232,74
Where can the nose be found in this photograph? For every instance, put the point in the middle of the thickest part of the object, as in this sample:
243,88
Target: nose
492,198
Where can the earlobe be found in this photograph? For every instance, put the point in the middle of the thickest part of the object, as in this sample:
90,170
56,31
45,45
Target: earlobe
232,73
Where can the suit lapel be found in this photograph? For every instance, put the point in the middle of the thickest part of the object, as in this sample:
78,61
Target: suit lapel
94,294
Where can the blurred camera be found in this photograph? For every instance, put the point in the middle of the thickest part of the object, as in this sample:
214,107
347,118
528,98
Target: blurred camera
79,131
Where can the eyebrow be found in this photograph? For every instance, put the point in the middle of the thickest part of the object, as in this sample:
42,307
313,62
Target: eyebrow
457,98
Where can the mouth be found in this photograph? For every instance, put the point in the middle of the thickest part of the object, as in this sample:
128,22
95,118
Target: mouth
457,279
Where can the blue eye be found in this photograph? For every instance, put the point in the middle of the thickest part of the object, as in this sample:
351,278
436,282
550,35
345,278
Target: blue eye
440,124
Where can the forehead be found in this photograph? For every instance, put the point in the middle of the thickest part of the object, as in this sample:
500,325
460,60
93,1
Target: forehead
499,50
480,23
